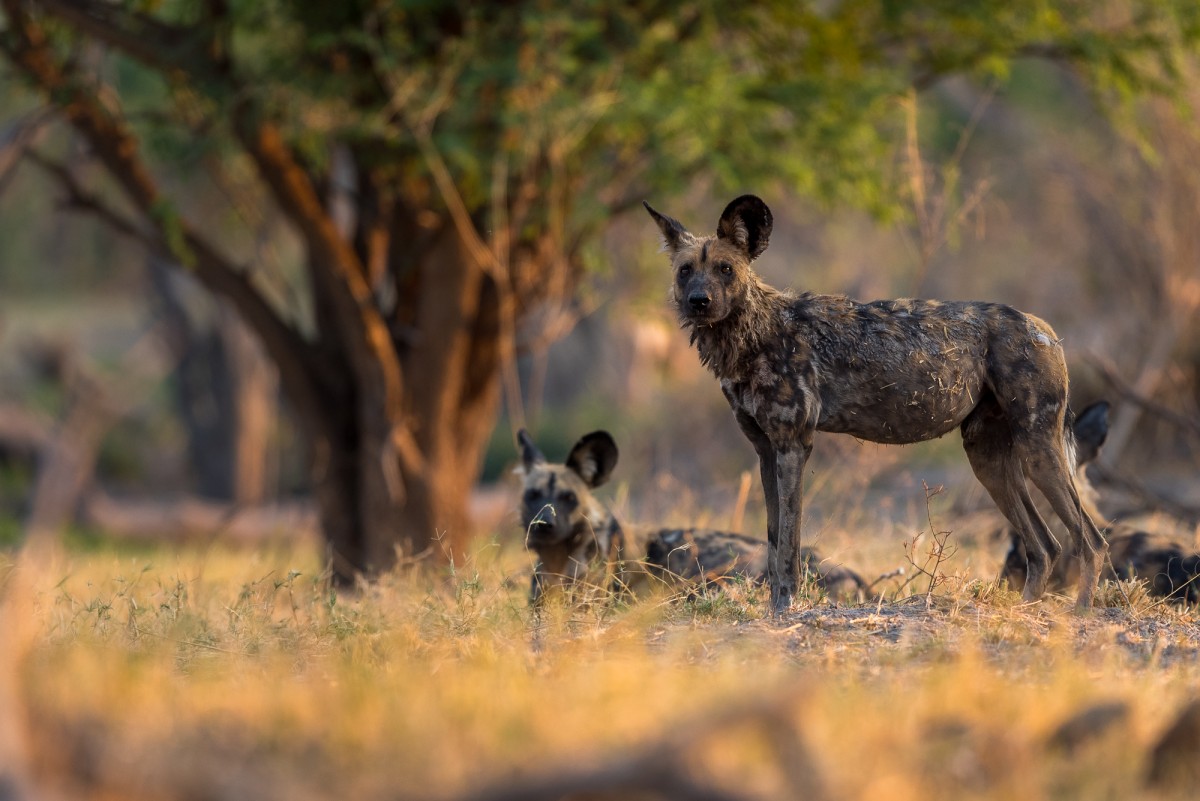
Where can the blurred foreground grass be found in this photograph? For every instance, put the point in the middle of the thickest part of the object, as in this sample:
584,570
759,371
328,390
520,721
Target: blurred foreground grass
234,674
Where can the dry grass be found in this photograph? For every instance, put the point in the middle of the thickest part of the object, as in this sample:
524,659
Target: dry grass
232,675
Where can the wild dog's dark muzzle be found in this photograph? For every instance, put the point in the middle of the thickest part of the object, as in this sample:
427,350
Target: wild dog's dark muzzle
544,517
699,301
545,525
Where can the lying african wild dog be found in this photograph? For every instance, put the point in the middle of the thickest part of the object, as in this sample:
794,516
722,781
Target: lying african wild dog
1169,568
578,540
684,553
894,371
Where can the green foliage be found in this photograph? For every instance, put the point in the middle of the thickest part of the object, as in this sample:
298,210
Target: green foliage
577,110
595,104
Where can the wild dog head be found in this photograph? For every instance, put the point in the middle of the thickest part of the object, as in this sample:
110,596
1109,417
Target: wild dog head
712,274
568,528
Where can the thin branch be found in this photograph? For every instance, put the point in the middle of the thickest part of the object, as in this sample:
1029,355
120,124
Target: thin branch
67,463
372,351
486,259
79,199
19,137
937,215
1109,374
252,212
1150,499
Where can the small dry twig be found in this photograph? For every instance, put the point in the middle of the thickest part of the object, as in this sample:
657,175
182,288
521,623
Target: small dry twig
939,550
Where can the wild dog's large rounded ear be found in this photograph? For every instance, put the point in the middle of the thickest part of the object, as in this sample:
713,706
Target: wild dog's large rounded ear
673,232
1091,429
593,458
530,455
746,222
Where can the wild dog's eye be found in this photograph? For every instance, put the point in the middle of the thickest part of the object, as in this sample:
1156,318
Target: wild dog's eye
726,268
685,271
531,495
569,497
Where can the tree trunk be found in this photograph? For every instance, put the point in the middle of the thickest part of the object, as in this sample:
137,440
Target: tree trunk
378,501
394,381
254,397
225,389
375,509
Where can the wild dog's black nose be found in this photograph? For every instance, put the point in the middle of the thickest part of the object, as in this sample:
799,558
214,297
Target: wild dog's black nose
699,301
544,517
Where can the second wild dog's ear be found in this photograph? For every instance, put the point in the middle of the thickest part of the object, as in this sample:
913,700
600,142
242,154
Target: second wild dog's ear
673,232
593,458
1091,429
530,455
746,223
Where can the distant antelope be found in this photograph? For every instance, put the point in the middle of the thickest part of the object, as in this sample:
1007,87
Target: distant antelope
578,540
890,371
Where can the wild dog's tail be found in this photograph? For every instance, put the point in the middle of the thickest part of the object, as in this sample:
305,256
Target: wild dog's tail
1070,444
1084,436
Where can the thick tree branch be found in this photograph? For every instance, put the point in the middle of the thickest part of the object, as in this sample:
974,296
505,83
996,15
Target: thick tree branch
18,138
79,199
146,39
174,49
371,349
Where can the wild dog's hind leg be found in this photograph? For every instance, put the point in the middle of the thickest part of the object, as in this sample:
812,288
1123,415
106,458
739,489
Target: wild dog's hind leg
989,446
1045,458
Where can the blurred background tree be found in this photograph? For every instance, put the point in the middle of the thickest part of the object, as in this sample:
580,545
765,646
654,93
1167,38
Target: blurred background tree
397,199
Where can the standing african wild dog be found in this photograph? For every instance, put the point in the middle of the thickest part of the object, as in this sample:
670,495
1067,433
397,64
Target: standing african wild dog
577,539
1171,569
893,371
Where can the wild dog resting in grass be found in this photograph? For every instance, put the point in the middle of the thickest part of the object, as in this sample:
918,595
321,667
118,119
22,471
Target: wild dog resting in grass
578,540
1169,568
683,552
891,371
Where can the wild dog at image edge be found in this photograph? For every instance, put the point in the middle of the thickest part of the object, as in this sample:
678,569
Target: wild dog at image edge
889,371
577,540
1169,568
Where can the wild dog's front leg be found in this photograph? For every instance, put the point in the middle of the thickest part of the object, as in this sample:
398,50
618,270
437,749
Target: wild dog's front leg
785,551
766,466
770,482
